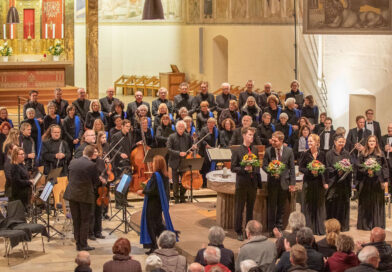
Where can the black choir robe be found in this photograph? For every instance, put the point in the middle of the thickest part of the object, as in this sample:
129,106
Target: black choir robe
48,154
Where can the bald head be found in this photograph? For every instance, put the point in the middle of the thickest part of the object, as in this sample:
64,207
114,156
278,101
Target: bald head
377,235
195,267
83,258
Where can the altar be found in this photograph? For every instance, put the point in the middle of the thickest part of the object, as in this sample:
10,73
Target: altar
225,188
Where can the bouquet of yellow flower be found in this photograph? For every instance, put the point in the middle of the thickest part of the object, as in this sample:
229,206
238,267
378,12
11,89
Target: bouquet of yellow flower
57,49
250,159
275,168
5,50
316,166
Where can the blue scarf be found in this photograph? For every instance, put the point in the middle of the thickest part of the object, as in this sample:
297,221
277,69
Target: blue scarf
77,129
10,122
213,163
57,119
39,140
145,238
211,114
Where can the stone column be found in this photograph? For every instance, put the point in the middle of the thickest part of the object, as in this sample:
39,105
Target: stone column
92,85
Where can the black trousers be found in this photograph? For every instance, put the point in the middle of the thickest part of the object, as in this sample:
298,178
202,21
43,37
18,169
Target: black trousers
96,220
178,189
242,196
81,213
277,200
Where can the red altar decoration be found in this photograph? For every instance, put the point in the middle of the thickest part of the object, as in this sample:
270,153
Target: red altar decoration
32,79
52,15
28,24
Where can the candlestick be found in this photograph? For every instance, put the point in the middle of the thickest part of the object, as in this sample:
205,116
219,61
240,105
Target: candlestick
4,33
62,31
12,31
54,31
46,31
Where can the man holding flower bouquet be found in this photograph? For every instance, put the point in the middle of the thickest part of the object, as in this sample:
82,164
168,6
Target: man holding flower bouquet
312,165
372,179
245,163
339,174
278,162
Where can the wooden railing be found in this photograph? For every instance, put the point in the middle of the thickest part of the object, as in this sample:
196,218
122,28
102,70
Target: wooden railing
133,83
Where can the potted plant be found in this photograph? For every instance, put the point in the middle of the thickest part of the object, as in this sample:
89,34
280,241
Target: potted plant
5,51
56,50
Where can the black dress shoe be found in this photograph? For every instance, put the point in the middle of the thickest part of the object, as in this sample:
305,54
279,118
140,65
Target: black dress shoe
87,248
240,237
92,237
99,236
130,206
106,217
182,201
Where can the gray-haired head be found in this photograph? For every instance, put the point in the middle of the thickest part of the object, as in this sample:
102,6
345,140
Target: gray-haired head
83,258
284,115
297,221
368,254
180,123
289,101
254,228
246,265
216,235
305,236
212,255
167,239
195,267
153,262
30,110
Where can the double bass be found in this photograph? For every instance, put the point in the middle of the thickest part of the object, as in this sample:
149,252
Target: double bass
141,171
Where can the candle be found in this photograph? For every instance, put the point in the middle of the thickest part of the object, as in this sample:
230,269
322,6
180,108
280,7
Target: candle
12,31
46,31
62,31
54,31
4,33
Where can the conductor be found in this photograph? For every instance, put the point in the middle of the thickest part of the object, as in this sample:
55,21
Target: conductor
83,175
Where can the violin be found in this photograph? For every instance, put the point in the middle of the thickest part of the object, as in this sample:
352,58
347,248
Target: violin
103,192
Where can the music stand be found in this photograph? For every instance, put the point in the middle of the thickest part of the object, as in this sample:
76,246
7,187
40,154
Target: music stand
151,153
219,154
193,164
45,196
122,188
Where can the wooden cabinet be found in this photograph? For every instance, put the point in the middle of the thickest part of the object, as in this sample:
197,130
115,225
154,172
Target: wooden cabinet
171,81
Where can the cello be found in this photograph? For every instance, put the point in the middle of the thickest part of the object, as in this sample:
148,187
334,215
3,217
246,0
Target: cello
193,179
141,171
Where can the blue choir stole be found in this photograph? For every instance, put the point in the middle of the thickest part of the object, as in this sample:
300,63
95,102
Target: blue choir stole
39,140
145,238
216,135
77,129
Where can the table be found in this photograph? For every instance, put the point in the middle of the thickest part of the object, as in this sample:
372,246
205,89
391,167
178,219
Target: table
225,188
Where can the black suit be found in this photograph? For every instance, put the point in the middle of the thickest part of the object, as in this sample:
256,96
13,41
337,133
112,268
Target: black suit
83,176
352,139
61,109
237,139
106,104
278,188
82,108
262,101
323,136
38,107
200,98
244,96
157,102
376,129
222,102
183,100
245,186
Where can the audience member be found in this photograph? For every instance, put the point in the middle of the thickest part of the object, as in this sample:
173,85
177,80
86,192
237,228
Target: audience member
298,259
257,247
212,257
216,235
154,263
195,267
172,261
327,246
122,262
344,258
369,258
246,265
83,262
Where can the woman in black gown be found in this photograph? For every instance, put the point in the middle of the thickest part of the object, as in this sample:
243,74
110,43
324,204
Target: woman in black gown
337,200
371,186
20,183
152,210
314,186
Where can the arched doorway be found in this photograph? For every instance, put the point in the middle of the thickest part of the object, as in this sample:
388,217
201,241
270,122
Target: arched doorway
220,61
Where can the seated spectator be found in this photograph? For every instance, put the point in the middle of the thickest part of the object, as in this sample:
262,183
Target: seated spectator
315,259
195,267
212,256
257,247
154,264
327,246
369,259
83,262
172,261
298,259
247,265
296,222
344,258
121,259
216,235
377,239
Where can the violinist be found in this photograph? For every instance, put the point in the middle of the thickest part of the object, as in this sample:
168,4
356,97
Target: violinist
146,132
55,151
122,159
177,144
210,141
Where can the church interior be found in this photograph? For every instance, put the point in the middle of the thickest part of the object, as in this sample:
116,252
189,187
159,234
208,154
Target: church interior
140,46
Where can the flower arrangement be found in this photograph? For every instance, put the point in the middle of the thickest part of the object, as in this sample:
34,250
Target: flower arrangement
316,166
344,166
250,159
57,49
5,50
372,165
275,168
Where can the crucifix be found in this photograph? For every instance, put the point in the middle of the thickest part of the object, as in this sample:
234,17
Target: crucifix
29,36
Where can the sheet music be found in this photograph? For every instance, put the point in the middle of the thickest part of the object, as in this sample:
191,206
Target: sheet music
219,154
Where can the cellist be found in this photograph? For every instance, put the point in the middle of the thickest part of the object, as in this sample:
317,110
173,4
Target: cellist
177,144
